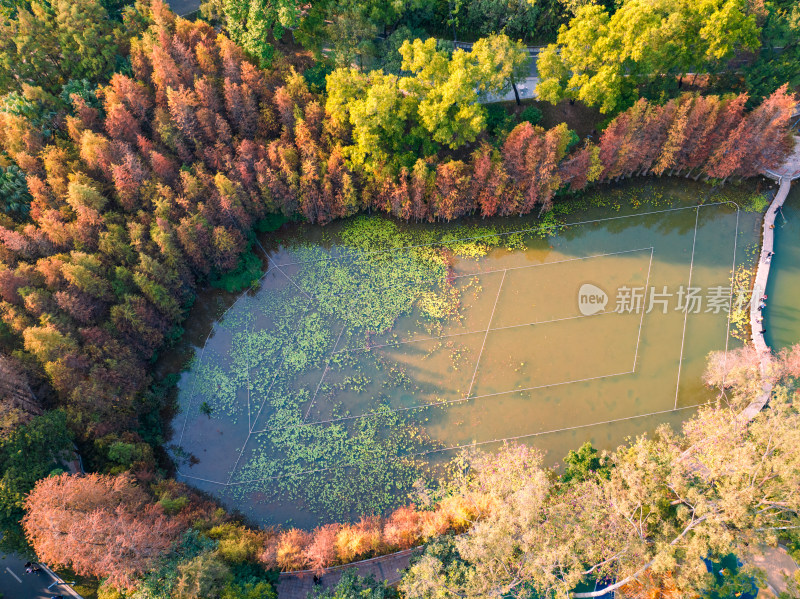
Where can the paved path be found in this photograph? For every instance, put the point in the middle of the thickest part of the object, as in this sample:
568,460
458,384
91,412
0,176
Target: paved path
297,585
784,174
184,7
776,563
15,584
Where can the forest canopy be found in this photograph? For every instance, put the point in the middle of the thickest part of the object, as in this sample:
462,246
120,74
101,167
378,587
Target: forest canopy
141,152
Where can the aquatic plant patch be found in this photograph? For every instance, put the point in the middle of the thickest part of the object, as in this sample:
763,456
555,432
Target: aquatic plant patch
332,386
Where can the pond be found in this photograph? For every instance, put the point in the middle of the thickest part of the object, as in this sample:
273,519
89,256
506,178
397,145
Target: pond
372,351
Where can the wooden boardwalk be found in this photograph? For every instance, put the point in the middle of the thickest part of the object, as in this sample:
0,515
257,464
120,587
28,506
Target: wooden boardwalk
297,585
784,175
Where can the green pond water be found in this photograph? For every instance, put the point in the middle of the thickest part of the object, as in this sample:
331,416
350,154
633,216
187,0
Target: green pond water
373,351
782,316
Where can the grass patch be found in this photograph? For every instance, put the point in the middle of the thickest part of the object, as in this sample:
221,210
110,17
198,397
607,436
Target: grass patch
246,274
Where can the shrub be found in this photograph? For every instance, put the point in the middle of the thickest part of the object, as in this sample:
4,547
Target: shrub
173,506
202,577
321,552
403,528
435,523
358,540
246,274
531,114
291,547
496,116
241,547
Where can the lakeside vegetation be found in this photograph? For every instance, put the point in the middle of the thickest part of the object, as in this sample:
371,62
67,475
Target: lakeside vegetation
141,154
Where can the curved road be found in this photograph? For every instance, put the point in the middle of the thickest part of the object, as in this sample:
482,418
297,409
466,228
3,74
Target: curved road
15,584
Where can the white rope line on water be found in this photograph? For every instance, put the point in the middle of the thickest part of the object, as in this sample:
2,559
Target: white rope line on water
452,335
266,395
249,348
686,309
203,350
271,264
730,297
420,281
444,403
397,343
440,243
641,320
324,372
291,280
312,299
486,335
443,449
491,235
385,412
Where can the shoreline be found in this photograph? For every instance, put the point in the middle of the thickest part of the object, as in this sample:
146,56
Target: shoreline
784,177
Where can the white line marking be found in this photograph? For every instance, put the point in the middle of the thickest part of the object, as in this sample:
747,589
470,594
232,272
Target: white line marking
730,299
324,372
14,575
486,336
203,351
641,321
447,402
466,445
451,335
492,235
686,309
424,406
516,390
291,280
362,291
264,400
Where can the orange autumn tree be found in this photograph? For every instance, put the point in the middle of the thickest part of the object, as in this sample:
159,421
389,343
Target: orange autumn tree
99,525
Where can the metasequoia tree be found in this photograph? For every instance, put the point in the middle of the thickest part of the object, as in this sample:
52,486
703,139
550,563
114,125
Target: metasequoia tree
137,204
60,40
99,525
18,404
664,504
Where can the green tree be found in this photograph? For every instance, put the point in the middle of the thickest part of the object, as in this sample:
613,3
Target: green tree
446,91
202,577
378,111
484,17
31,452
777,61
14,196
394,118
603,59
584,464
45,44
353,586
351,36
253,23
502,63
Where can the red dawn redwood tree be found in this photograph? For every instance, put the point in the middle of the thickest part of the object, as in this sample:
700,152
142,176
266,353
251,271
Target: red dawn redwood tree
98,525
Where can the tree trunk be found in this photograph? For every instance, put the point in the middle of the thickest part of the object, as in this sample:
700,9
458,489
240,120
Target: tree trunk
516,93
